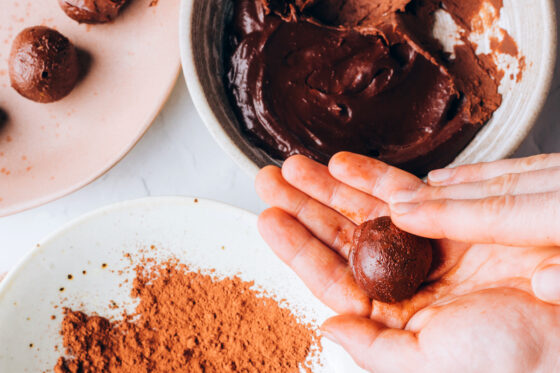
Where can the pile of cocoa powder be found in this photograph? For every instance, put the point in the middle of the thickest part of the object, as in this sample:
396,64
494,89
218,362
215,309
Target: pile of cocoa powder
189,322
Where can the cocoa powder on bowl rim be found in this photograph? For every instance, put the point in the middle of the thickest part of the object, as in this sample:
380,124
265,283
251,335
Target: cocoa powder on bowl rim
188,321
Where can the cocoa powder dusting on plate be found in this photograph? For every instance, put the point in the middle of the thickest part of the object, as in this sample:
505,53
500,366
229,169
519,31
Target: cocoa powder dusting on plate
189,322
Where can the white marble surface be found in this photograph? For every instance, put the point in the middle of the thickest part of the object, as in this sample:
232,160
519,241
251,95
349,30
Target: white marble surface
177,156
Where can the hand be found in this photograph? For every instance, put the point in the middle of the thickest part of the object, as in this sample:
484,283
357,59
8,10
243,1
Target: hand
518,198
477,313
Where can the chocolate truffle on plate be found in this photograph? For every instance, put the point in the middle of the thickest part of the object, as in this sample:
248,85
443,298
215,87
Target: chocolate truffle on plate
388,263
92,11
43,64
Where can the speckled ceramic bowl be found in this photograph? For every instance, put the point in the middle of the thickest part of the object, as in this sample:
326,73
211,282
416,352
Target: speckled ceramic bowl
532,24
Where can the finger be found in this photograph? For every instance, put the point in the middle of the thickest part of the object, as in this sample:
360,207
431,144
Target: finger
315,180
333,229
485,171
546,281
371,176
322,270
509,220
2,275
373,346
540,181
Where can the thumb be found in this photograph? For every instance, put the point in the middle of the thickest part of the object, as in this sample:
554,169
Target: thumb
373,346
546,280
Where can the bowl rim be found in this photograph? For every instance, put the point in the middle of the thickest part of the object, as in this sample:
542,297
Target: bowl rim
198,94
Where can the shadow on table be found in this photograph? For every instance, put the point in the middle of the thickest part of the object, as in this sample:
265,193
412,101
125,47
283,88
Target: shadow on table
3,119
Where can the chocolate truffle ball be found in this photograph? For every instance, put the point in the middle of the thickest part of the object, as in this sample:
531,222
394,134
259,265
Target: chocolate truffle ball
92,11
44,64
388,263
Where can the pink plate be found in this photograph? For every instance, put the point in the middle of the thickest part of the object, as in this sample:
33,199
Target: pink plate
50,150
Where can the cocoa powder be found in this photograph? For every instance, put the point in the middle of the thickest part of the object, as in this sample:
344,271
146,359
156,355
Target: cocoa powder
189,322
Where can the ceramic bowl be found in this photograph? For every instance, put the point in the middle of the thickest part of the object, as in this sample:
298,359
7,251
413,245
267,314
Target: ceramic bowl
532,24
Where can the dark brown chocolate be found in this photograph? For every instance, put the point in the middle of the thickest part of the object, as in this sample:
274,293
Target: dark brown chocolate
92,11
388,263
43,64
362,83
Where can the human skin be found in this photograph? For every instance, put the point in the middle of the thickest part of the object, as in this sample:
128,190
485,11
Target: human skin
477,312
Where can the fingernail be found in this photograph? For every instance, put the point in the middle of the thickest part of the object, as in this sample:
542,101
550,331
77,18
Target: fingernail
329,336
440,175
402,196
546,284
403,208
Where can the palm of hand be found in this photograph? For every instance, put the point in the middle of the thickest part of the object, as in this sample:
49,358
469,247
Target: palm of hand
481,310
476,313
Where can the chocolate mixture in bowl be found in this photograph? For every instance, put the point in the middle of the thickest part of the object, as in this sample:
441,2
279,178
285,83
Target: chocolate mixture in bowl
319,76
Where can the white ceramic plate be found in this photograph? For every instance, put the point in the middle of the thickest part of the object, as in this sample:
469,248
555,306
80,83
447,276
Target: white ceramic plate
195,232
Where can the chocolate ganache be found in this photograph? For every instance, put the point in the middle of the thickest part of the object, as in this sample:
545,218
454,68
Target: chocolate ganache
305,80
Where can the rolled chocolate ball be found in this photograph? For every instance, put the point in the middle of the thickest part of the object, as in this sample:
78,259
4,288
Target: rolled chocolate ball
388,263
92,11
43,64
